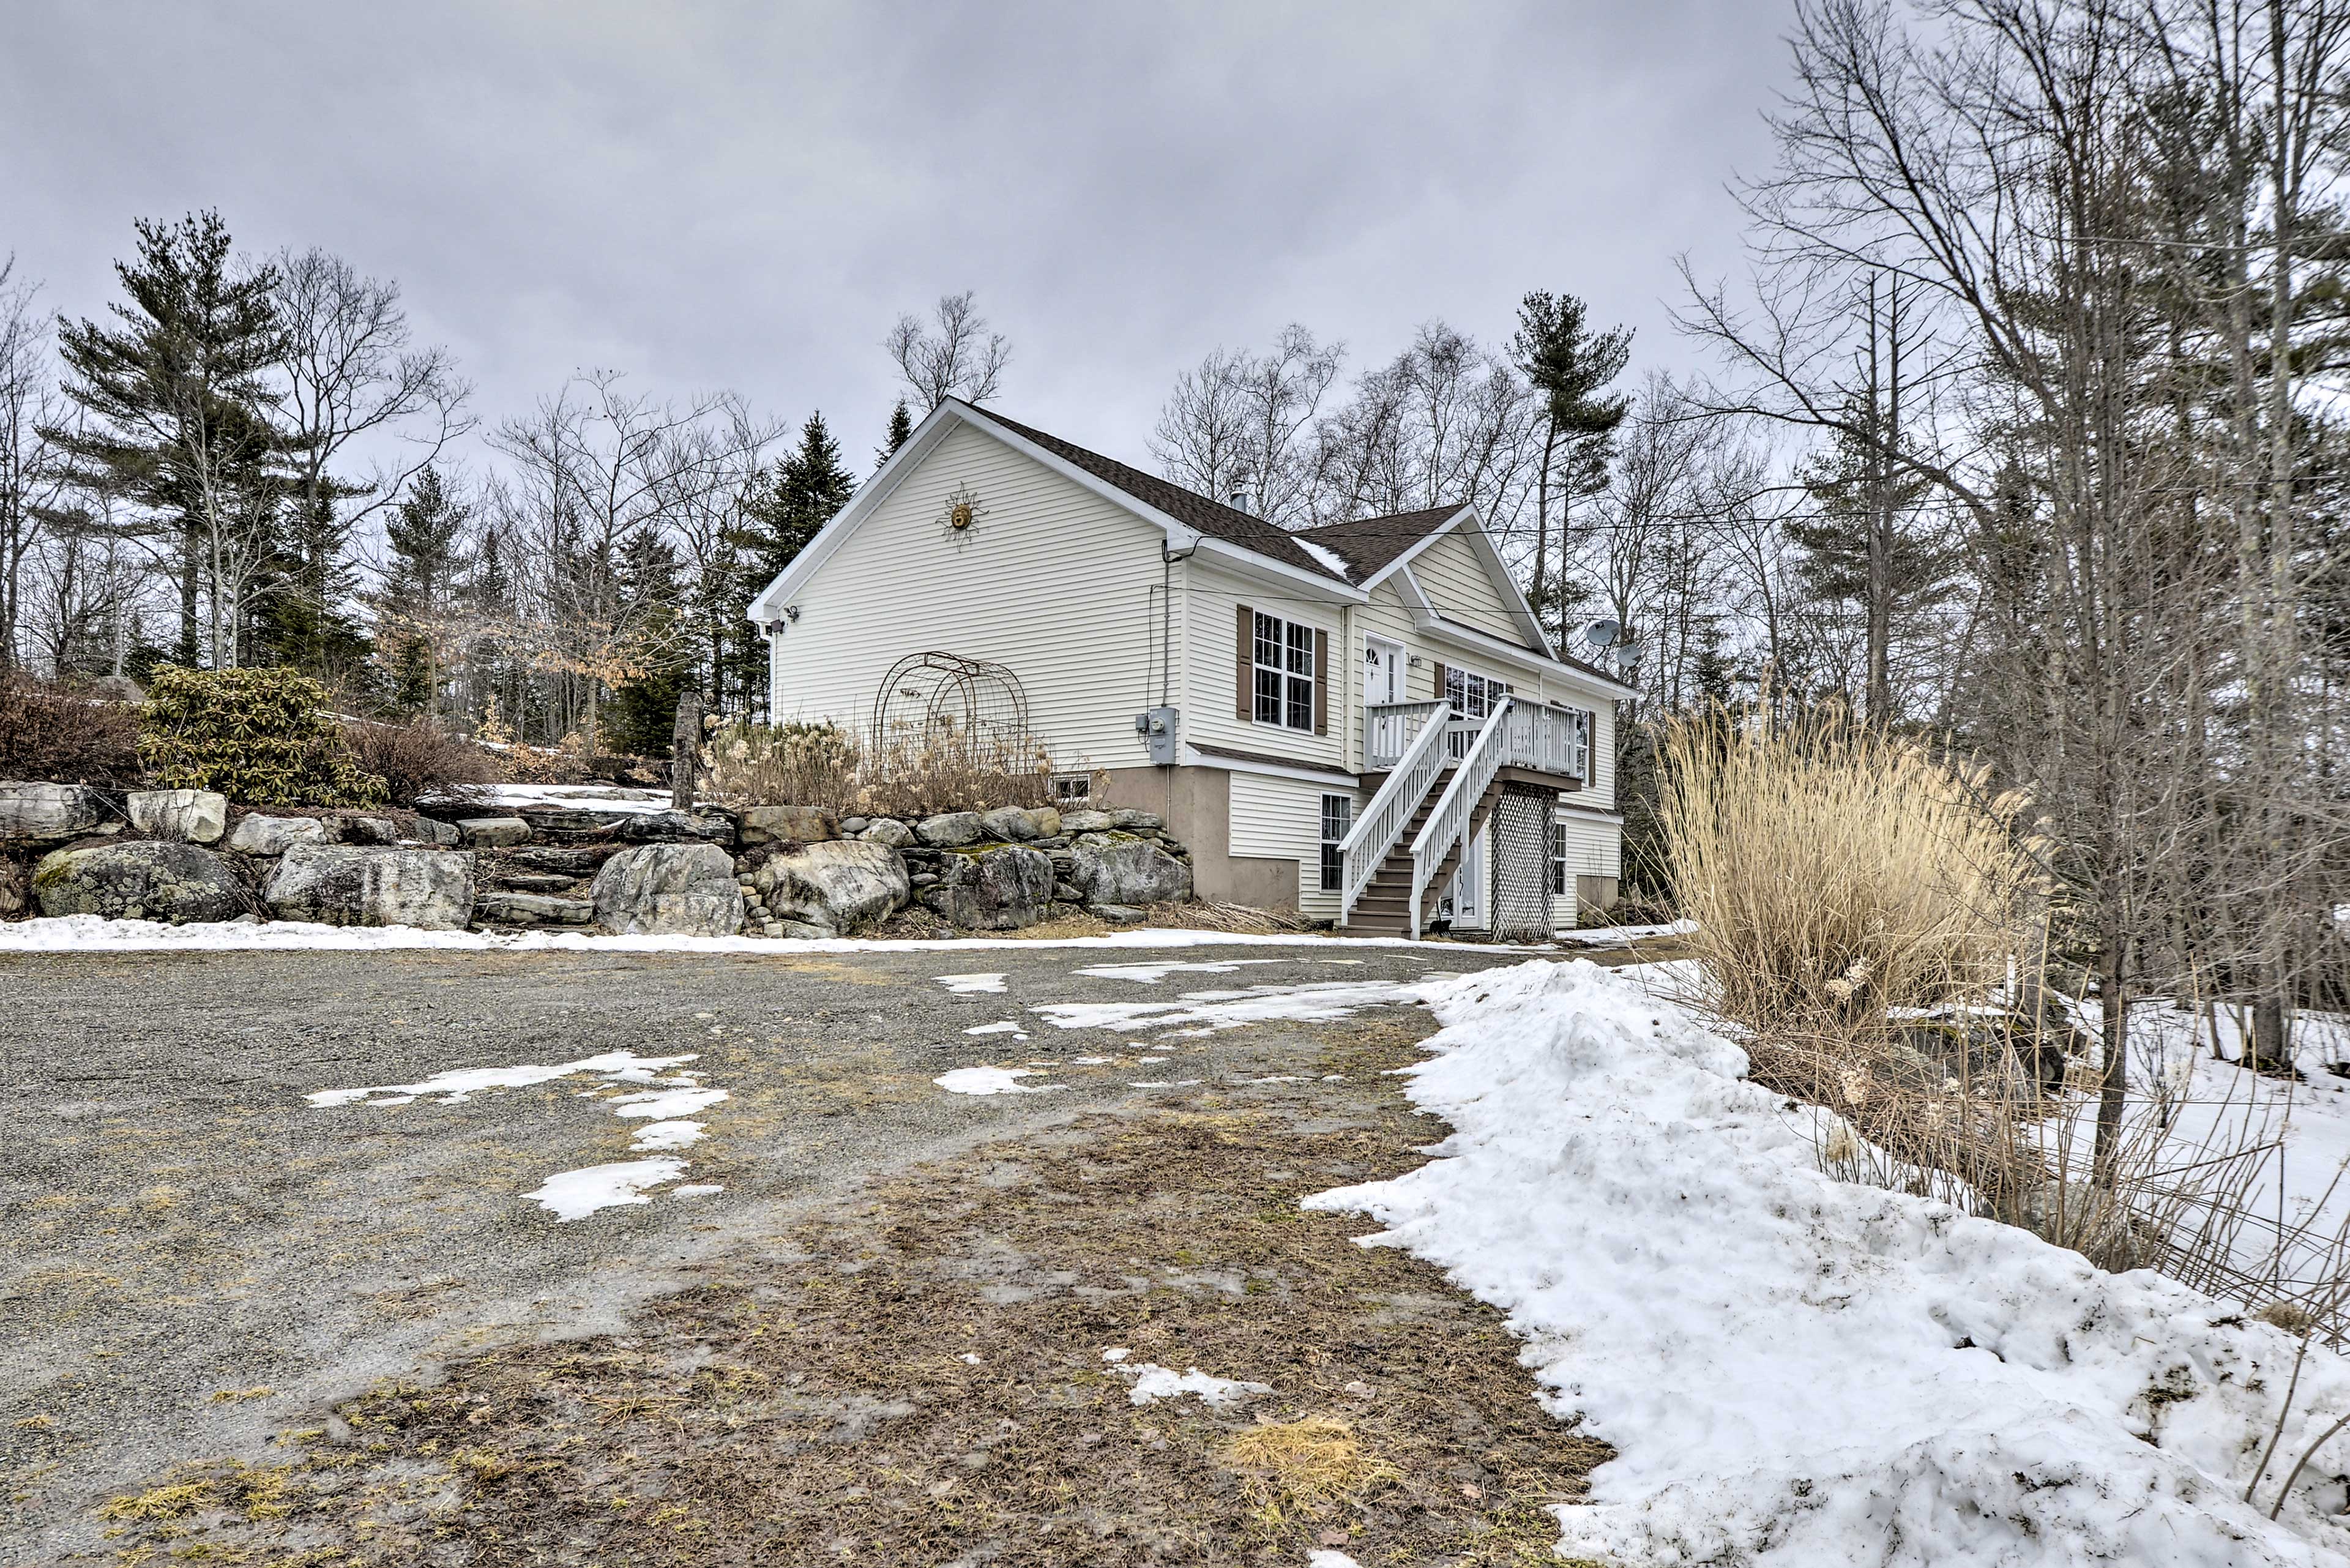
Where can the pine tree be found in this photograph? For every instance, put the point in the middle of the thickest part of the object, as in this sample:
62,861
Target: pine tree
786,507
426,532
644,705
1569,364
176,399
901,429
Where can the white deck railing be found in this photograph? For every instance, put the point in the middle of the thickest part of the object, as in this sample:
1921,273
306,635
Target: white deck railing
1389,729
1380,828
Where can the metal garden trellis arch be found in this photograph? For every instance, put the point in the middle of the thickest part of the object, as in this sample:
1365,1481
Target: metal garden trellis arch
946,697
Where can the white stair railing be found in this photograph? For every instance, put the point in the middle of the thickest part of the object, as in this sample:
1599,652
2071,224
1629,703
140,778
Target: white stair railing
1448,825
1380,828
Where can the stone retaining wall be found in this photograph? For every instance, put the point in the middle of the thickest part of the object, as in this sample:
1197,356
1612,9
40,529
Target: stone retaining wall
183,856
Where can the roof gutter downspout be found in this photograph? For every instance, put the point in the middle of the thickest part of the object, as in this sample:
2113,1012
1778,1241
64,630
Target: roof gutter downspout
1166,559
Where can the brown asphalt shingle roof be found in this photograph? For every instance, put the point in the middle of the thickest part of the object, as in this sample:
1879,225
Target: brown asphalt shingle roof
1188,507
1369,544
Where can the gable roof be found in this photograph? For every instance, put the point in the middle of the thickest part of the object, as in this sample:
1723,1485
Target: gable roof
1189,507
1369,544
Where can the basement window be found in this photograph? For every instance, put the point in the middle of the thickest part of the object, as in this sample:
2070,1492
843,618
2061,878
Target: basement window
1337,817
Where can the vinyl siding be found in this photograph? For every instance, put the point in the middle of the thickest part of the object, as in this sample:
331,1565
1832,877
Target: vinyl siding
1208,602
1453,574
1281,819
1593,850
1052,580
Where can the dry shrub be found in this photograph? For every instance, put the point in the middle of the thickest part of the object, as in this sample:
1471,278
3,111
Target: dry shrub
59,733
421,759
1835,872
1294,1468
902,772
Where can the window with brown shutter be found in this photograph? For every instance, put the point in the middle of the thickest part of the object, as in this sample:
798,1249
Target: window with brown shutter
1321,682
1245,664
1440,681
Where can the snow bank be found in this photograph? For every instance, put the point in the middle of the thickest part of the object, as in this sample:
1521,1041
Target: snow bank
1796,1370
79,933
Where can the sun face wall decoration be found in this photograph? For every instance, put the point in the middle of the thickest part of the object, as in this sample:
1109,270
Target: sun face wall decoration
962,513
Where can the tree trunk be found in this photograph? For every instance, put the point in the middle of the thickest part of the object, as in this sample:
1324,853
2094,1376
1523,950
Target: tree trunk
685,750
2114,1088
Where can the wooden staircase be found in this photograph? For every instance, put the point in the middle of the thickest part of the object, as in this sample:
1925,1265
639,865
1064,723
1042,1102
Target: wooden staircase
1384,907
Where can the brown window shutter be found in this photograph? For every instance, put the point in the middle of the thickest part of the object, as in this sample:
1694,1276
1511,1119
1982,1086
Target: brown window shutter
1440,681
1244,694
1321,682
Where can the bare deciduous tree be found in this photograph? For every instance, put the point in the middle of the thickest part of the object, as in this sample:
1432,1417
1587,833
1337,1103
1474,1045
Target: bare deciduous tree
954,355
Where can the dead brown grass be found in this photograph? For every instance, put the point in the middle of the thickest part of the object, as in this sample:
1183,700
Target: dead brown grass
919,1380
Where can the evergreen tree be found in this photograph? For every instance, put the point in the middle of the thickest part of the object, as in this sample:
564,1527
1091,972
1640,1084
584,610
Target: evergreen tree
786,506
901,429
643,713
176,396
427,534
1569,364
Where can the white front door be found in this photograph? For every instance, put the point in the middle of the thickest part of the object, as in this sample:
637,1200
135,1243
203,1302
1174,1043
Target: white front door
1382,671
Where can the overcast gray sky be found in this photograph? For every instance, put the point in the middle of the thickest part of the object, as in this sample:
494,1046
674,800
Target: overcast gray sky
717,193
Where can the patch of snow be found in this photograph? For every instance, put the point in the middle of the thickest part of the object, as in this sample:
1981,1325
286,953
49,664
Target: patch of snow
991,1081
1327,557
462,1083
664,1104
1152,973
696,1190
1153,1382
972,984
968,1359
1213,1011
575,1194
1622,936
1006,1027
76,933
1091,1061
612,799
1116,1352
667,1134
1798,1370
1148,1061
1325,1558
1166,1084
672,1092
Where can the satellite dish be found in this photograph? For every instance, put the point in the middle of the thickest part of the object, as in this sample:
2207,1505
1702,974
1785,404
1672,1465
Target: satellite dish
1627,657
1604,633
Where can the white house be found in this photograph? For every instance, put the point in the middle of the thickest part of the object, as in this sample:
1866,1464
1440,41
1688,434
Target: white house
1271,694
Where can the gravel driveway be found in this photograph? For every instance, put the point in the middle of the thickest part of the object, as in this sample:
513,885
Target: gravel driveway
197,1256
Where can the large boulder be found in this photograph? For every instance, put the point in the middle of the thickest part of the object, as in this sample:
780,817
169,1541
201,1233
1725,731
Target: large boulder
188,815
1087,821
1009,823
950,830
494,832
366,830
669,889
274,834
675,827
1000,889
889,833
41,811
1129,871
346,885
788,825
840,885
531,909
146,880
15,887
